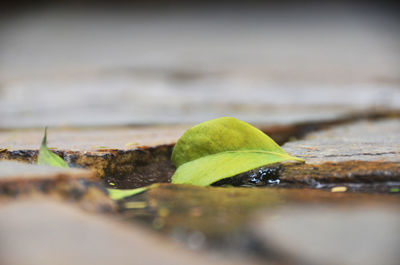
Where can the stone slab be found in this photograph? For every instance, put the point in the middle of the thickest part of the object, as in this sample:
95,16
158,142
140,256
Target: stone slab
359,176
331,235
43,232
364,141
97,139
142,153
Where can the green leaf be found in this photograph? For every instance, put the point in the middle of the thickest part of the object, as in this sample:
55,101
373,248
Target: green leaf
48,158
394,190
222,148
120,194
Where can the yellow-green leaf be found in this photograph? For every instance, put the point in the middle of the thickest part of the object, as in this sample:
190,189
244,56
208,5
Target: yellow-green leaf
120,194
46,157
222,148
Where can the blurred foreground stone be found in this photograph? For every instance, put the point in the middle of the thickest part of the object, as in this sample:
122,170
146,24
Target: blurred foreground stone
21,180
329,235
41,232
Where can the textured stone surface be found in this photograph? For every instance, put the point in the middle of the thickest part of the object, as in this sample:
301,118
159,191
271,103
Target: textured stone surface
362,176
136,155
365,141
42,232
331,235
92,140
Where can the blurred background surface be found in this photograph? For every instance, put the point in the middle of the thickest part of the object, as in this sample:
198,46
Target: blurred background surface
74,63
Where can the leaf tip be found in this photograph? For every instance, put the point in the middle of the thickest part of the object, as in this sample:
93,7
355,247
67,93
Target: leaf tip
46,157
44,140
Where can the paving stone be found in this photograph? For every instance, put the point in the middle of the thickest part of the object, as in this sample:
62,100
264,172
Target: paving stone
92,140
77,185
364,141
43,232
362,153
331,235
130,155
356,175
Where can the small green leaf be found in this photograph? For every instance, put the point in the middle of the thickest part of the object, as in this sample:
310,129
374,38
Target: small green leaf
48,158
222,148
120,194
395,190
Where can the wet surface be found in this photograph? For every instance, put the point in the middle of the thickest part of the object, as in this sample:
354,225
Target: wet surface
227,220
221,213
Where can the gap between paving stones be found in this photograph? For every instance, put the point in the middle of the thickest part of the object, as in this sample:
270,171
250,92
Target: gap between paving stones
144,165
